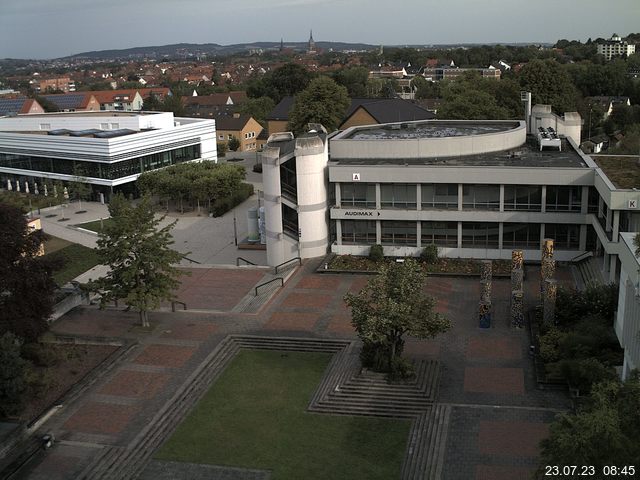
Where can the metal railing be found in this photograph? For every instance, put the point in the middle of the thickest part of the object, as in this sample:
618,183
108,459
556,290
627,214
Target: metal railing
248,262
267,283
173,305
582,256
288,261
191,260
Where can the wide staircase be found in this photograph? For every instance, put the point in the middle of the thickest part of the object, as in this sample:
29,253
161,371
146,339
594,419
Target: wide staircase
344,390
589,271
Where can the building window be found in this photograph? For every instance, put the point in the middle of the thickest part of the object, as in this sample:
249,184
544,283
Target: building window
565,237
229,137
398,195
115,126
480,235
290,221
399,233
361,195
104,126
45,126
563,199
481,197
358,232
288,179
440,196
443,234
521,235
594,200
220,137
526,198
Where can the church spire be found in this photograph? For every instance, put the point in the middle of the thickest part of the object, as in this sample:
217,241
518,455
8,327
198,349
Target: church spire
312,45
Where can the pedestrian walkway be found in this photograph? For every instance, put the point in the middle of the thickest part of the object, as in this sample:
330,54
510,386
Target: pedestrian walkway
486,421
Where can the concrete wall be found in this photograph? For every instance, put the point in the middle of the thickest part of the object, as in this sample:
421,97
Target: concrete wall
344,147
311,175
272,205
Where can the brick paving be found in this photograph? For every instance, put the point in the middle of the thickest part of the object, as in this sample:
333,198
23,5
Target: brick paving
132,383
480,369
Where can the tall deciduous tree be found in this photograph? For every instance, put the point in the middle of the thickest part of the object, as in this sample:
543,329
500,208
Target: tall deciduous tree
139,255
26,284
12,375
391,305
323,101
550,84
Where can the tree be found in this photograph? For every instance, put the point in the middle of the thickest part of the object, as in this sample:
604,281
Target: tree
323,101
550,84
79,187
12,375
287,80
233,144
391,305
354,80
603,432
26,283
141,262
258,108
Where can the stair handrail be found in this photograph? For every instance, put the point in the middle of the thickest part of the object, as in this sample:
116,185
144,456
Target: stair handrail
288,261
267,283
248,262
582,256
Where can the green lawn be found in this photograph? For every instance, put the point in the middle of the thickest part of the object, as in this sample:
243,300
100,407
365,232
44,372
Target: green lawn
77,259
254,417
95,226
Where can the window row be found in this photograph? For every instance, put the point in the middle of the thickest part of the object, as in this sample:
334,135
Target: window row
108,171
445,234
444,196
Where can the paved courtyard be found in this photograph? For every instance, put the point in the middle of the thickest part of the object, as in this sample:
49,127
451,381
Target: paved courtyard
498,414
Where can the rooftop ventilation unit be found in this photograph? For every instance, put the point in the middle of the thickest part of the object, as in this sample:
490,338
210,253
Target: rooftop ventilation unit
548,138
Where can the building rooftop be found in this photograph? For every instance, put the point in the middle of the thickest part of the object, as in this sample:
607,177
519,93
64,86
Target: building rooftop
624,172
434,129
526,155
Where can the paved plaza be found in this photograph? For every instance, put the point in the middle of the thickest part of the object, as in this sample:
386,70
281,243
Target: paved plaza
497,418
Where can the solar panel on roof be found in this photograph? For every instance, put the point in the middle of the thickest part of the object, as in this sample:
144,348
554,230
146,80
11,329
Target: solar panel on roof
65,102
11,105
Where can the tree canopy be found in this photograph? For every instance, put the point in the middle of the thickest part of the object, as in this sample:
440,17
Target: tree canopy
323,101
26,283
285,81
391,305
138,252
549,84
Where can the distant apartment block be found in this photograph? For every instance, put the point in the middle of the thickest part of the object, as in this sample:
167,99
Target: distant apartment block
64,84
448,73
615,47
19,105
74,102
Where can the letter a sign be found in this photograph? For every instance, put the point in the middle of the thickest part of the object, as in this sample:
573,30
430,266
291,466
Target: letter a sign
356,177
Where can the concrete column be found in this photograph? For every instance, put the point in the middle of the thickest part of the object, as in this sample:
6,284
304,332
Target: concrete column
500,232
338,195
583,238
459,234
501,205
613,269
378,198
273,205
616,225
584,206
543,200
419,197
339,232
609,220
460,193
542,233
378,232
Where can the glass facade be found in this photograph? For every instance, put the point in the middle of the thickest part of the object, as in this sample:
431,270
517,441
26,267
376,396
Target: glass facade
480,235
361,195
290,221
524,198
563,199
521,235
443,234
356,232
395,232
566,237
398,195
481,197
105,170
440,196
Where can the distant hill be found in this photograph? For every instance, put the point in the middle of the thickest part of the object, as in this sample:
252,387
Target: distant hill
195,49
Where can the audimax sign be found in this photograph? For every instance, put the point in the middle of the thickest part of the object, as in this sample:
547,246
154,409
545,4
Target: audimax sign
361,213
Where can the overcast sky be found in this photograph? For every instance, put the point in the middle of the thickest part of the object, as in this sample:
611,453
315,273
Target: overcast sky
55,28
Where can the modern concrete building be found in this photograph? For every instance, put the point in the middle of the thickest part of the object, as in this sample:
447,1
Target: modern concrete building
109,149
